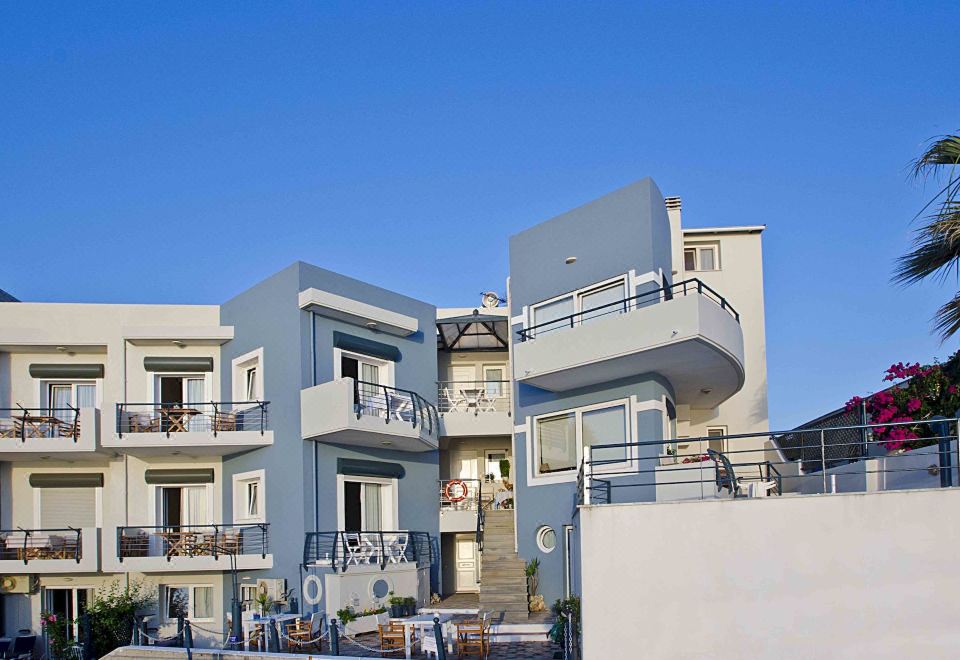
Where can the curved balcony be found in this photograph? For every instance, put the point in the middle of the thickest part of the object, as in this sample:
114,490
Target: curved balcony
686,332
357,413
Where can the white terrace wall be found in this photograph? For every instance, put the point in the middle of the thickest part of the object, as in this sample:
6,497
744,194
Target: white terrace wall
821,576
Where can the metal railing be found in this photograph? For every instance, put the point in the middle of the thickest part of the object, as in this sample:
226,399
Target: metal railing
836,459
28,545
455,497
473,396
645,299
393,404
210,417
26,423
193,540
340,549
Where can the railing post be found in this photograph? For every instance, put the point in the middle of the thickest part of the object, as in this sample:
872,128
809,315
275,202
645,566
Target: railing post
438,635
216,415
386,398
263,416
823,461
587,473
188,639
334,638
26,537
263,542
942,429
216,541
77,553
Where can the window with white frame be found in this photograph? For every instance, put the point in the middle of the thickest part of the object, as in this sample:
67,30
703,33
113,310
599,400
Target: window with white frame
560,438
581,306
194,602
701,256
717,440
366,504
248,376
248,497
59,397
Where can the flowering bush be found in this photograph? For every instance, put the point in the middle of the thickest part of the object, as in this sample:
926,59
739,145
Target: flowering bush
702,458
55,628
919,392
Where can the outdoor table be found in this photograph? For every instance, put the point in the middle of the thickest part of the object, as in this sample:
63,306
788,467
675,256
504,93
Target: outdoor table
248,625
177,419
38,426
180,544
472,395
421,621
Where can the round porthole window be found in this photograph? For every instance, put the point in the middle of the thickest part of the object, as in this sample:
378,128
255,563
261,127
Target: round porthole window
380,588
546,538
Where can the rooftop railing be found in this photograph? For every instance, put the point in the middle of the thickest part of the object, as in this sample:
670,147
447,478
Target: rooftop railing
209,417
173,541
855,458
341,550
393,404
28,545
26,423
473,396
646,299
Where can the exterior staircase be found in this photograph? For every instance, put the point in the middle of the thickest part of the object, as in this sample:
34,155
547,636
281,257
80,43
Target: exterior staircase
503,583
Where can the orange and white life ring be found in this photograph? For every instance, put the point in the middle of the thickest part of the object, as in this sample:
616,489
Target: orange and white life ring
448,491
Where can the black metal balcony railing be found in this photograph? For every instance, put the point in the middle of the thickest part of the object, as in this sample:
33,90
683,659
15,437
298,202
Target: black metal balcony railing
394,404
645,299
210,417
473,396
340,550
28,545
193,541
26,423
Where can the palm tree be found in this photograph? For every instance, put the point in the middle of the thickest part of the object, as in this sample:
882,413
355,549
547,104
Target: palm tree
936,245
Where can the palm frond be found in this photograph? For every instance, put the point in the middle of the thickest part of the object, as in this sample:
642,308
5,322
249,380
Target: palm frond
947,318
936,248
942,151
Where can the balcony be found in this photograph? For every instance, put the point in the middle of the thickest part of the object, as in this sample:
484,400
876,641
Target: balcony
49,551
193,548
356,413
686,332
194,429
474,408
33,433
460,501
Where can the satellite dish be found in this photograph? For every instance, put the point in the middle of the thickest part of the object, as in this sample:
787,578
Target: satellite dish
490,300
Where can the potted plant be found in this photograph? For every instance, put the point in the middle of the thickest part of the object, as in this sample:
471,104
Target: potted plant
505,473
410,606
396,606
264,602
357,623
532,571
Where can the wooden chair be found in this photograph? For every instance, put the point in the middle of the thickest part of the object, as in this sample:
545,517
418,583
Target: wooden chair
257,638
392,638
299,633
473,637
226,421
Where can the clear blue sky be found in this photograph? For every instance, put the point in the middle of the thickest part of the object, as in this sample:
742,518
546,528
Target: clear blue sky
181,152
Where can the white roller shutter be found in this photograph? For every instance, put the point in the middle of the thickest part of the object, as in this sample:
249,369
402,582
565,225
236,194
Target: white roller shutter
68,507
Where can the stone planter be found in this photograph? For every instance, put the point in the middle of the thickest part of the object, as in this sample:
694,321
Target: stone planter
365,624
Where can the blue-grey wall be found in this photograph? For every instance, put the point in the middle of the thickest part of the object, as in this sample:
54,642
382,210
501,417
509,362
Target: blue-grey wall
625,230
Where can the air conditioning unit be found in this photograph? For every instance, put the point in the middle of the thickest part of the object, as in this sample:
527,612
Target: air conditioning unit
15,584
273,587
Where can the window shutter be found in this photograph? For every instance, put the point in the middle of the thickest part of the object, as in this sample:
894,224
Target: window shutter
68,507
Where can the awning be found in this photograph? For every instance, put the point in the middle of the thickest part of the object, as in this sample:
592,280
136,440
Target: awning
358,467
366,346
178,364
66,371
67,480
474,332
180,476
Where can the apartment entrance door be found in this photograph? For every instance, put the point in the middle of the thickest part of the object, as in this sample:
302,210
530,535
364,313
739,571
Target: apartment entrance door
68,605
467,565
463,464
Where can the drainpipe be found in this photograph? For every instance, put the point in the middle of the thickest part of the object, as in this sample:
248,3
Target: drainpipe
313,379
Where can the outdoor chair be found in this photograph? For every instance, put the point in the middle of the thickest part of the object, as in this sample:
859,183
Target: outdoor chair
392,638
22,648
724,474
486,402
298,633
258,638
397,550
226,421
473,637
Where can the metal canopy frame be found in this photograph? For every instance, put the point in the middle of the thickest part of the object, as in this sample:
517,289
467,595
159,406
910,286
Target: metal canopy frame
474,332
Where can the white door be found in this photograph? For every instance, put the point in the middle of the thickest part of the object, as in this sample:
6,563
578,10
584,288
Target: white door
463,377
466,563
463,465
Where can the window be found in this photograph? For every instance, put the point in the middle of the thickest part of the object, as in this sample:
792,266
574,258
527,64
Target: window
61,397
179,390
556,313
248,597
717,432
248,376
194,602
366,504
546,539
701,257
248,497
183,505
60,508
561,437
494,380
493,465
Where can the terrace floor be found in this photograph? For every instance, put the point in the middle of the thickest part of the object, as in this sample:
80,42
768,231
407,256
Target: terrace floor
498,651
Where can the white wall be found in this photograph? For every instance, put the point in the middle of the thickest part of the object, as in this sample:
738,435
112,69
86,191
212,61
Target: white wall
823,576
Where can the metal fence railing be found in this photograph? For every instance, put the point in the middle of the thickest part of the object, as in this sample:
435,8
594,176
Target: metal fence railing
645,299
460,494
26,423
477,397
340,549
393,404
193,540
854,458
28,545
209,417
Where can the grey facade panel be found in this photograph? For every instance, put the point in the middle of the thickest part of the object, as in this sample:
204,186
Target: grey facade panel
363,468
66,371
366,346
178,364
67,480
179,476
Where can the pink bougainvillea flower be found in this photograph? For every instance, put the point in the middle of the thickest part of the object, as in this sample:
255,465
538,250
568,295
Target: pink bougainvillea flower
913,405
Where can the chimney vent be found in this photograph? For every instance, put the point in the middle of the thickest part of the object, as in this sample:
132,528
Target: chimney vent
673,203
